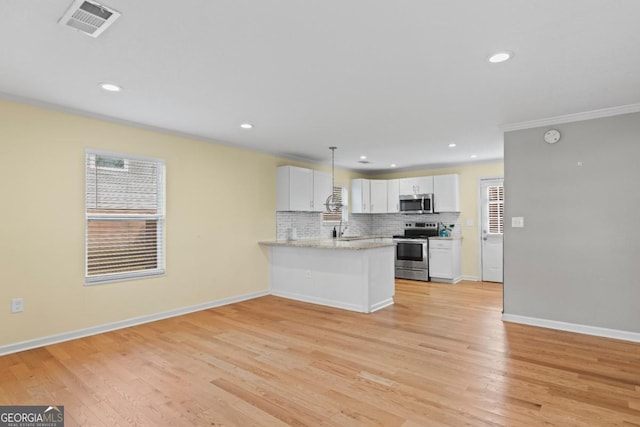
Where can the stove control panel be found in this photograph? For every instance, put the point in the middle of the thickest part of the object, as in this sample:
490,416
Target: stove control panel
421,225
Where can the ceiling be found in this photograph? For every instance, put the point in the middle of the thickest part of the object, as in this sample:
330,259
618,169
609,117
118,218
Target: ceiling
396,81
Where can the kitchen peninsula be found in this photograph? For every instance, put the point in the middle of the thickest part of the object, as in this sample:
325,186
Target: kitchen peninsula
351,274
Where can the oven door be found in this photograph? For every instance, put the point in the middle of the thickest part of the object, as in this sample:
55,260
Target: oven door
412,254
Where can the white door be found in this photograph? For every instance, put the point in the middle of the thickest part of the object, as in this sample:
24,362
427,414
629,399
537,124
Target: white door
492,228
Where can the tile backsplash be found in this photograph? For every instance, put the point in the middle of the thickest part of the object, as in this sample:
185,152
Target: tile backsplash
309,225
298,225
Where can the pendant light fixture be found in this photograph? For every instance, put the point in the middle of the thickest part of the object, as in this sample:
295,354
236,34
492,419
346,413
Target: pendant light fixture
333,203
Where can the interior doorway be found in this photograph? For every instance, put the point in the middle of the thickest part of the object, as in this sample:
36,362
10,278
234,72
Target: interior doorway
491,229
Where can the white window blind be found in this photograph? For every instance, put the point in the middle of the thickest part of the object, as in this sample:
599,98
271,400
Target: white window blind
496,209
338,192
124,217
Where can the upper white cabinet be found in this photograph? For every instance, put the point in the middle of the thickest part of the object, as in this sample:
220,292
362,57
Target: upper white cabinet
301,189
360,196
378,189
321,190
417,185
393,195
383,196
446,193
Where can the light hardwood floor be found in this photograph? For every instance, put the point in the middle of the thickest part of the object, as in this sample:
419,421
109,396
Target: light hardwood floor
439,356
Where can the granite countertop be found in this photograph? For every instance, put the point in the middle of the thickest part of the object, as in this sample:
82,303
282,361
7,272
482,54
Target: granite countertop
357,243
446,238
370,236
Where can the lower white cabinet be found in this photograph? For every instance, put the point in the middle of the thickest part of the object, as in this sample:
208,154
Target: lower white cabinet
445,262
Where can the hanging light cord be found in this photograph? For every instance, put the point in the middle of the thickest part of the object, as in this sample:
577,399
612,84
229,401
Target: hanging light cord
333,204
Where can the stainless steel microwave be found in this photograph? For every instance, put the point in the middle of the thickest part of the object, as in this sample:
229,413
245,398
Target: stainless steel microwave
416,204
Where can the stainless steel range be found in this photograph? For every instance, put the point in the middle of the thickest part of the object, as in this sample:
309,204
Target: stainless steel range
412,251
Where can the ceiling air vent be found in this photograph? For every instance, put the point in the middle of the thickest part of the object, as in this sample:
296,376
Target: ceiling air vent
89,17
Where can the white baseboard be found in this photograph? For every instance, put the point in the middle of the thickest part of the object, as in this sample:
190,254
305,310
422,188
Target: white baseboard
316,300
573,327
94,330
471,278
381,305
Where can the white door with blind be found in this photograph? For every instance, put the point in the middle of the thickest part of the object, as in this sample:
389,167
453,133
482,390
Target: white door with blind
492,228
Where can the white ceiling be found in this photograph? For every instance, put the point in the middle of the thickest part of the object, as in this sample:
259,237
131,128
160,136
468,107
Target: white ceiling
394,80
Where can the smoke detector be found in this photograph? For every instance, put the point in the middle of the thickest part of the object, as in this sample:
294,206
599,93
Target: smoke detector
89,17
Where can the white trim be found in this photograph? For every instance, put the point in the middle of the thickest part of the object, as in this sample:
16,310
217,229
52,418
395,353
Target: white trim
576,117
319,301
471,278
107,327
381,305
573,327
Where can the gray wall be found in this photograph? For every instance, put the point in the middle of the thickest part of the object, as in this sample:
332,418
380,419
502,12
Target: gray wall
577,259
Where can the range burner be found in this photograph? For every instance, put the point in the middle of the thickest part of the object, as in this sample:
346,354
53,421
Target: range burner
419,230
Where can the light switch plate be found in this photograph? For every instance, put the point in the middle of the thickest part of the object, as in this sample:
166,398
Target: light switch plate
517,221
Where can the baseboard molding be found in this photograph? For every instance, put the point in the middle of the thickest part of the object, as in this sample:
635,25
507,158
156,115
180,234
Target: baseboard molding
573,327
381,305
471,278
315,300
107,327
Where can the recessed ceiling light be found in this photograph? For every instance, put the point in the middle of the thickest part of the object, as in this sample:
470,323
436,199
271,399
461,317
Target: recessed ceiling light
363,157
110,87
451,145
246,126
393,165
473,156
500,57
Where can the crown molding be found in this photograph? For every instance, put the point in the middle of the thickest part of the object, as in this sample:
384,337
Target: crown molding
576,117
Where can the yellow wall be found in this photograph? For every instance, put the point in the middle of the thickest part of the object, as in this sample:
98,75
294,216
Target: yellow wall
211,245
220,203
469,179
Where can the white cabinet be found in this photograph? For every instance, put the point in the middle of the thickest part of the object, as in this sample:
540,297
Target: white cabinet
445,263
446,193
378,189
368,196
383,196
393,195
301,189
321,190
294,189
418,185
360,196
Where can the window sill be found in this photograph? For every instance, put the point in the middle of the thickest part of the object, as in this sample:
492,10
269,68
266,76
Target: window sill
121,277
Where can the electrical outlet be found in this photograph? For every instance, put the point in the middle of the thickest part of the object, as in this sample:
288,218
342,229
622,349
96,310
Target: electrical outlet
17,305
308,274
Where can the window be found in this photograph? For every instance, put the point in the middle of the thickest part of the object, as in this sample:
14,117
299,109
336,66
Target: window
124,217
496,209
341,193
110,162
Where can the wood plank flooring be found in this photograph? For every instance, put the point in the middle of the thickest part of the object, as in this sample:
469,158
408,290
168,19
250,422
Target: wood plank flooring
439,357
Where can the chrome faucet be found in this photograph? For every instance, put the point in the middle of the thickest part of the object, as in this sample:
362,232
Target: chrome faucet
341,230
